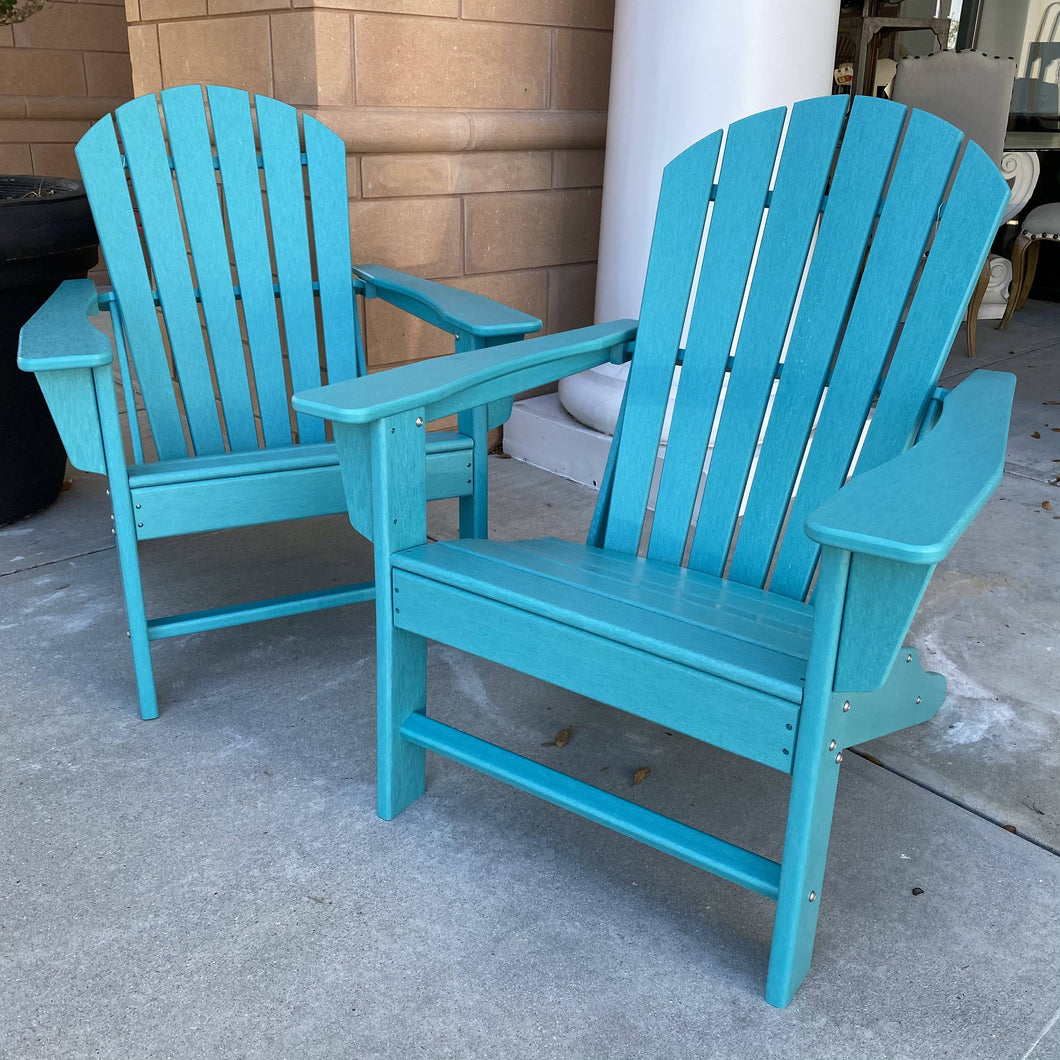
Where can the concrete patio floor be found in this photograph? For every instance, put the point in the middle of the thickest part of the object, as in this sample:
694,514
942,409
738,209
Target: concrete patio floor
216,883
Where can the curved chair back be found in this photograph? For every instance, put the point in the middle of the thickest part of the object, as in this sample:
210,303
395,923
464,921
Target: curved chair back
226,235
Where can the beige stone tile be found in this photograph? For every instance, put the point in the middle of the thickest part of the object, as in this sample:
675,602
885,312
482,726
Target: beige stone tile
449,174
353,176
7,37
42,132
311,57
418,235
132,10
578,169
438,8
421,62
526,291
15,158
581,67
108,74
588,14
85,27
41,72
227,51
143,55
165,10
571,297
54,160
524,230
231,7
395,337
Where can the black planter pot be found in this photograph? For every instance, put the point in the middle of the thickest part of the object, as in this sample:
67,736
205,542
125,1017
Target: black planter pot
46,236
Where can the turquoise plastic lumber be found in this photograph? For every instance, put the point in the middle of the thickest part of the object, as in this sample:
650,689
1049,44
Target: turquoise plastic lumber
59,335
284,185
814,777
809,145
802,276
689,620
705,851
445,385
399,521
197,328
882,598
869,140
683,202
106,182
909,696
237,155
193,165
916,506
329,205
445,307
909,219
147,159
258,611
735,717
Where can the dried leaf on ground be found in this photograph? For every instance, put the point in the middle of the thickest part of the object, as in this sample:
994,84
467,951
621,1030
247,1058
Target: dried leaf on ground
560,739
640,774
1035,435
1047,506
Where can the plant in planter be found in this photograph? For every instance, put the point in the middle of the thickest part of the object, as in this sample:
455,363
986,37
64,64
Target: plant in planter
46,236
18,10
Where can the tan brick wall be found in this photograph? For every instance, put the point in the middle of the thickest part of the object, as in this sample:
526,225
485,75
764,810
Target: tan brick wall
474,131
59,71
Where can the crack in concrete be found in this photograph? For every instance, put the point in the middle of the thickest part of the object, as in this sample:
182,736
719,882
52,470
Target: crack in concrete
58,559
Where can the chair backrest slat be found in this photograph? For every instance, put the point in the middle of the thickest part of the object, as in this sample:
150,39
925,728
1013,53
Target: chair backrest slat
148,161
238,159
326,164
735,222
683,202
193,163
805,310
103,173
906,224
281,154
853,199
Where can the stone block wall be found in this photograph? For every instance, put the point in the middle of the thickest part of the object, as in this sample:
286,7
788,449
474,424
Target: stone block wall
60,70
474,131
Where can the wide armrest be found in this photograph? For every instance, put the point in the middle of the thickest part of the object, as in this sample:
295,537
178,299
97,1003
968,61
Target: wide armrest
448,308
914,508
444,385
59,334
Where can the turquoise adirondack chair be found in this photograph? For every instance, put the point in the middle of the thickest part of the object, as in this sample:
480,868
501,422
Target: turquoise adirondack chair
189,242
761,609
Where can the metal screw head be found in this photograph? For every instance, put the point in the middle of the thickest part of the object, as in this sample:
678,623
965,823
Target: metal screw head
831,745
839,757
139,506
909,658
846,706
918,701
419,421
813,896
140,525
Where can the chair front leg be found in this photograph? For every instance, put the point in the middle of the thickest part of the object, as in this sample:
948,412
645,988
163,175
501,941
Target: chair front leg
474,510
399,500
818,753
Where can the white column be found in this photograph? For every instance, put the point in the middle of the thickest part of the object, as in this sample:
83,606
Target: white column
679,70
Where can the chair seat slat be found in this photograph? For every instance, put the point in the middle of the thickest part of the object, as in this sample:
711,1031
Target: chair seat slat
482,568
